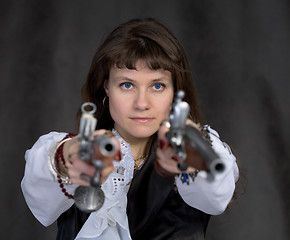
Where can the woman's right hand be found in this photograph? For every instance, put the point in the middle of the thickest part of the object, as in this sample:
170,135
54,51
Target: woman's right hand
80,171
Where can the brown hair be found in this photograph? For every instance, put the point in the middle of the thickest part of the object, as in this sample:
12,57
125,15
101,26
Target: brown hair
138,39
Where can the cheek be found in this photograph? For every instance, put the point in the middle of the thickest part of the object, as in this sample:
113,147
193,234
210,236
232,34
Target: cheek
117,108
164,109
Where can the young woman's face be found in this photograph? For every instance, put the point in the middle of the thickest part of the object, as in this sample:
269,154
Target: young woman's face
139,100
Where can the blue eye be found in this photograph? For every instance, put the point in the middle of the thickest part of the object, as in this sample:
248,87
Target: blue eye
158,86
126,85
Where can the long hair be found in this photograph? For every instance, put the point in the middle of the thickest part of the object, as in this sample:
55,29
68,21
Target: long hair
138,39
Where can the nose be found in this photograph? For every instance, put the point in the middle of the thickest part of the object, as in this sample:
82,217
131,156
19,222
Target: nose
142,100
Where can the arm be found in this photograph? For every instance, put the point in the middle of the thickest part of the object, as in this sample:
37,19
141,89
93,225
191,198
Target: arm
185,147
40,189
212,197
190,147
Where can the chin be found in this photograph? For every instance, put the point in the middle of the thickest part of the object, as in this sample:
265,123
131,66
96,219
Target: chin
143,133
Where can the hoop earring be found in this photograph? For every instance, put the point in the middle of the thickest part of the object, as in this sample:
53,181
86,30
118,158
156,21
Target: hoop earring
104,100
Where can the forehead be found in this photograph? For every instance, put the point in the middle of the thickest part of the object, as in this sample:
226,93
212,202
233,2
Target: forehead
141,72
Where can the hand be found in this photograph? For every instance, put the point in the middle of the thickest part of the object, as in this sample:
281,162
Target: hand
80,171
167,161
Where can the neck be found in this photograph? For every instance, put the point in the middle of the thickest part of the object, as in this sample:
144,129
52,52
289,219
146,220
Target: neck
138,147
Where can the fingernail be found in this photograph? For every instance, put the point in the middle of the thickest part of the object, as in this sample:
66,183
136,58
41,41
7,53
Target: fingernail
161,144
175,158
118,156
85,177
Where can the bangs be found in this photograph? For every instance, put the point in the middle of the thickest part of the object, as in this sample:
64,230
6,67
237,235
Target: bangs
146,50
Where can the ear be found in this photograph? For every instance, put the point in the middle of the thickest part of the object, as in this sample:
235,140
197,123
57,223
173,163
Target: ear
106,87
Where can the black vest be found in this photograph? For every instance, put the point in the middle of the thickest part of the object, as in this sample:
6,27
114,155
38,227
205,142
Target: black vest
155,211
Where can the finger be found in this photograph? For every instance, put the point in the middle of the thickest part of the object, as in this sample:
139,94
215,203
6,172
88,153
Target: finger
85,178
190,122
106,172
81,182
164,158
81,178
168,160
84,167
164,128
71,158
70,148
99,132
76,178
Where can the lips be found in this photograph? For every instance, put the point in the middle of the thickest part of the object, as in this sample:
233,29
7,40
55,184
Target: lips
142,119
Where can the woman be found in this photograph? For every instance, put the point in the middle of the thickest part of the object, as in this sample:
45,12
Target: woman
133,79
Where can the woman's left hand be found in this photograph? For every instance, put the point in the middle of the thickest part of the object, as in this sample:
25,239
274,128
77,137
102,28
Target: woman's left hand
167,161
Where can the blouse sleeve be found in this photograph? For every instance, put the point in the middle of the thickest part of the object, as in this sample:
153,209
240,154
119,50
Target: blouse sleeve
40,188
212,197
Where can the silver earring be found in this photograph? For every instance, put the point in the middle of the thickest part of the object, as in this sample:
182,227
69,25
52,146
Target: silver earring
104,100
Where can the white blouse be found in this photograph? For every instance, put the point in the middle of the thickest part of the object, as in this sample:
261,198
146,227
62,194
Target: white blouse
47,202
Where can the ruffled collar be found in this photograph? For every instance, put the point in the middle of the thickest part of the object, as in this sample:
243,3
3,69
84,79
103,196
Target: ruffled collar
111,221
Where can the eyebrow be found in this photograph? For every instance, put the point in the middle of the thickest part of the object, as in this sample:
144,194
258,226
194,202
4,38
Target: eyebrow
123,78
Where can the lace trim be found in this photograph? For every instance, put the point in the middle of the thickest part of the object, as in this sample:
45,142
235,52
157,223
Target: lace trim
123,172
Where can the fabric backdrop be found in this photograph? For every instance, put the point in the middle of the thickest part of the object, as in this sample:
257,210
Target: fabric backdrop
239,52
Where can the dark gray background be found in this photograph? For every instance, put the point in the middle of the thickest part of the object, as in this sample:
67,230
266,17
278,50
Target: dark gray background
239,52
